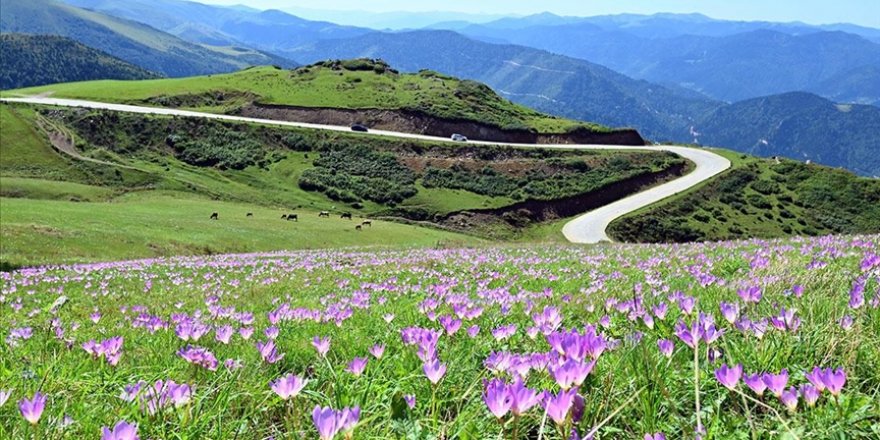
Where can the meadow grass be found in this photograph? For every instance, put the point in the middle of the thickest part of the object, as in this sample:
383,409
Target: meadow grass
482,313
151,224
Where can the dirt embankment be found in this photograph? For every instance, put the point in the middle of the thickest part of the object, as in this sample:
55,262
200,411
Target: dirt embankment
532,211
412,121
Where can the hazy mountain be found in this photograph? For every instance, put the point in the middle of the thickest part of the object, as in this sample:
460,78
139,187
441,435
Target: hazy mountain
131,41
727,66
553,83
270,30
33,60
801,126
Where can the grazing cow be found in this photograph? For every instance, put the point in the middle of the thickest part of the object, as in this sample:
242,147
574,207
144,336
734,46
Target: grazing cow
293,218
250,214
367,223
324,214
283,216
215,216
357,228
346,215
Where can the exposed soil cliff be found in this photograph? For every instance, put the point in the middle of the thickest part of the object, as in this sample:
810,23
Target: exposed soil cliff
413,121
532,211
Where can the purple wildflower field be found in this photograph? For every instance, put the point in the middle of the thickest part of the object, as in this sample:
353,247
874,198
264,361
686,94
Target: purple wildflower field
741,340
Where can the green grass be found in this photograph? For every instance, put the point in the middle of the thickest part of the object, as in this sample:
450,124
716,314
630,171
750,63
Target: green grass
760,198
19,187
152,224
318,86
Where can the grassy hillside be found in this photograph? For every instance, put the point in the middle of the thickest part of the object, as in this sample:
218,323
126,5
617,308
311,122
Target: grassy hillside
131,41
761,198
33,60
353,84
176,171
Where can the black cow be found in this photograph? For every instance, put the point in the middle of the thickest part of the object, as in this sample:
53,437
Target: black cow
293,217
324,214
250,214
215,216
346,215
367,223
357,228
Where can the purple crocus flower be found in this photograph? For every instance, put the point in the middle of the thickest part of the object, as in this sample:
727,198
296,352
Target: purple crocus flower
377,351
326,422
497,398
32,409
815,378
522,398
655,436
834,380
729,376
730,311
199,356
789,398
756,383
473,331
434,370
288,386
122,431
776,382
666,346
322,345
357,366
268,352
410,400
810,394
223,334
558,406
348,418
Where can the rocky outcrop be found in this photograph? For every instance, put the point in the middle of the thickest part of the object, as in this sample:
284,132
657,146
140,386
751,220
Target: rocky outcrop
414,121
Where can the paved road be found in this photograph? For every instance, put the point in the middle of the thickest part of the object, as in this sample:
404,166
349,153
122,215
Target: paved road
588,228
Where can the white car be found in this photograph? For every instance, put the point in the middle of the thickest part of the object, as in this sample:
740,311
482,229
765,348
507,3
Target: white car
459,138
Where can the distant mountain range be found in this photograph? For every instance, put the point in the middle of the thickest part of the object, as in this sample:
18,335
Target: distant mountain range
800,126
679,72
272,30
131,41
729,61
31,60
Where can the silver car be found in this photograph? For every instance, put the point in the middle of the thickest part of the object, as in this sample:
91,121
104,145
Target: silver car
459,138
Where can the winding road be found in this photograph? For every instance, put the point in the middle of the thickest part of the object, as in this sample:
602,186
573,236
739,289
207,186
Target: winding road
587,228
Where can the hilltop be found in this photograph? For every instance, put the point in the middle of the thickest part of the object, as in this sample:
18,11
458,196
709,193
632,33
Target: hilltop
33,60
360,90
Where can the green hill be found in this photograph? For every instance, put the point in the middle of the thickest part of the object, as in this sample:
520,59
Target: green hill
33,60
351,84
764,198
131,41
155,180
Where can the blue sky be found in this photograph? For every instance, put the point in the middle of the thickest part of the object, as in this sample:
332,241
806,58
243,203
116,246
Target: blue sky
863,12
